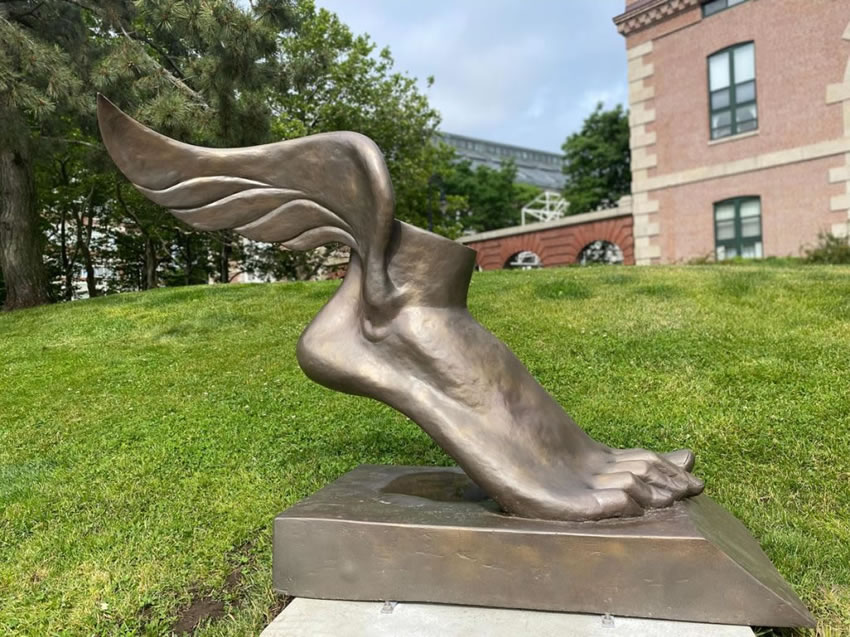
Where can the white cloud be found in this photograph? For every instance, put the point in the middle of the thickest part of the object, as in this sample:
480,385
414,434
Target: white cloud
517,72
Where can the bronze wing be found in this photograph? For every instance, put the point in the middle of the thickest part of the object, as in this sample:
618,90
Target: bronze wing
302,193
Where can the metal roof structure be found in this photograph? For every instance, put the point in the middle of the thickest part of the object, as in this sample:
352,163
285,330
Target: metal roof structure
536,167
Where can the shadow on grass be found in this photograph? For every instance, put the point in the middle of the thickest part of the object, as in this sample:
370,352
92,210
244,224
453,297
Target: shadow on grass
659,291
618,278
741,284
563,289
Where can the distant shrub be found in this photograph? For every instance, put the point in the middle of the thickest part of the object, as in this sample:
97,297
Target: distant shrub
829,250
769,261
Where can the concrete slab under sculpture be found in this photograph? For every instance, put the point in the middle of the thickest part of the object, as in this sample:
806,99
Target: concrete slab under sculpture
398,330
324,618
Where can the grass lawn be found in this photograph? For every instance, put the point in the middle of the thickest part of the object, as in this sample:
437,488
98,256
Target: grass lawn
148,440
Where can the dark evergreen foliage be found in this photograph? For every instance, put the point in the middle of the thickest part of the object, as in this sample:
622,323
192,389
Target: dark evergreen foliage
210,72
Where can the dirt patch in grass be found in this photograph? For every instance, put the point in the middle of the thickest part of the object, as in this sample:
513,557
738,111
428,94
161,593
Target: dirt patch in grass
205,607
200,610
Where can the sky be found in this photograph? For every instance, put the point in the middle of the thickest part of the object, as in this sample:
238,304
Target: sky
513,71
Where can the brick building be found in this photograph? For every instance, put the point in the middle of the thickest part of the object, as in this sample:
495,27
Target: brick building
740,125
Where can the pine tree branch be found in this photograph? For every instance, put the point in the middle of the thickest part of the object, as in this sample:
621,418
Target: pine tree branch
73,141
176,81
19,16
80,5
146,40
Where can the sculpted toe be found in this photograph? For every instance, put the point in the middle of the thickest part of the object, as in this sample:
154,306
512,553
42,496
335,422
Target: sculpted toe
615,503
683,458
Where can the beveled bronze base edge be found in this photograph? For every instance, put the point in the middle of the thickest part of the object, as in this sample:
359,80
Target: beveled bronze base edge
360,539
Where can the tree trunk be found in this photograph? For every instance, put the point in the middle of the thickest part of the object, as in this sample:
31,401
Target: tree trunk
224,257
67,267
150,281
91,281
188,259
20,238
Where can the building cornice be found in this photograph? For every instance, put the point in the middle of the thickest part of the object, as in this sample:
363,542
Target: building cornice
648,12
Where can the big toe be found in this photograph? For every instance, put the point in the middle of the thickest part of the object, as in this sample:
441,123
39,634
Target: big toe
683,458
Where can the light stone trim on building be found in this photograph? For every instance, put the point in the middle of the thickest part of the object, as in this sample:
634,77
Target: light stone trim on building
638,69
733,138
623,209
640,92
839,174
840,94
639,51
641,114
641,159
642,144
639,137
818,150
839,202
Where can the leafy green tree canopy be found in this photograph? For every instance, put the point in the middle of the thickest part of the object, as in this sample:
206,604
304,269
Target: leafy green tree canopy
493,199
597,161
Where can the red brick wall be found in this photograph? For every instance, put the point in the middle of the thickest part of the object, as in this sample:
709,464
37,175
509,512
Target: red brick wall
794,208
557,246
798,52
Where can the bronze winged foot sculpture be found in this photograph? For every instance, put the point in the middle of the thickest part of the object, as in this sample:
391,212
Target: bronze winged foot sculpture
398,329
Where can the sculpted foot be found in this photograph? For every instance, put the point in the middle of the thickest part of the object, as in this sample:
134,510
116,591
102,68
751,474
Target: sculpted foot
398,329
440,367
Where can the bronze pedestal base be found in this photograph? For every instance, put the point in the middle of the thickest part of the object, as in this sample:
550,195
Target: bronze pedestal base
420,534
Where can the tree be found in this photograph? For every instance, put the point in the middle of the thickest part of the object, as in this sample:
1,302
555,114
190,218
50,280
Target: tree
210,72
493,199
339,81
40,50
597,161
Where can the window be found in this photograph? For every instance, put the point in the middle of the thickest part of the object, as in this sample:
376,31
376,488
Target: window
710,7
737,228
732,91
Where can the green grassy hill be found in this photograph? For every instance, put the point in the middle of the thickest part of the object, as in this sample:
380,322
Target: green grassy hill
147,440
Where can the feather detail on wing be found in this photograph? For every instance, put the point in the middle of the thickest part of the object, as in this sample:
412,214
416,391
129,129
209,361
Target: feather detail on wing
303,192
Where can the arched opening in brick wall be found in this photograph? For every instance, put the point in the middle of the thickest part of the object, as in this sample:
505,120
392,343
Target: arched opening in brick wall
524,260
602,252
556,244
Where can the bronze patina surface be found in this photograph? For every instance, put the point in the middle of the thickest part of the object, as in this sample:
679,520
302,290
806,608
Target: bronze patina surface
398,329
421,534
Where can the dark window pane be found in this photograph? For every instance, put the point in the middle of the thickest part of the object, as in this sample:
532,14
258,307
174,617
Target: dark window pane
725,230
723,131
749,227
720,99
751,250
745,113
726,252
721,118
745,92
744,127
724,212
713,7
